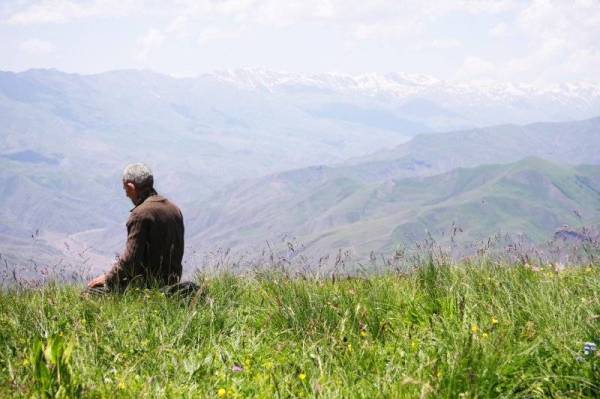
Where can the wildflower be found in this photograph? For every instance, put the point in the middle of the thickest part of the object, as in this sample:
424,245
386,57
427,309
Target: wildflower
413,345
474,328
302,376
363,333
121,385
589,348
484,335
221,392
529,330
236,368
559,267
494,321
349,347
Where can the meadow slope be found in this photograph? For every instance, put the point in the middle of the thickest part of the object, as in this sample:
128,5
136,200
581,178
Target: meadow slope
325,210
476,330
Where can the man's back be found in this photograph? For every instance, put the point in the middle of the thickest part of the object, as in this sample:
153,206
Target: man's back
154,248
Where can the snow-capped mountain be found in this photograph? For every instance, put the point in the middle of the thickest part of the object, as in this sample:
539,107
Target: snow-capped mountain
399,85
447,104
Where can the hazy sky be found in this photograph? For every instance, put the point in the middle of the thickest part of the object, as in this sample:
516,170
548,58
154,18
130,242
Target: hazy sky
522,41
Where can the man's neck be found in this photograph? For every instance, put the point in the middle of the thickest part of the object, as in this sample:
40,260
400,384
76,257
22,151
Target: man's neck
144,195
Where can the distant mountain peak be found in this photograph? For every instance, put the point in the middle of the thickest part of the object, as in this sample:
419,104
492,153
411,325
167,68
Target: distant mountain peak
396,83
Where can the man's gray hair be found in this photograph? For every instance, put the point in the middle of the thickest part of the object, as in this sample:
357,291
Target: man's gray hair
139,174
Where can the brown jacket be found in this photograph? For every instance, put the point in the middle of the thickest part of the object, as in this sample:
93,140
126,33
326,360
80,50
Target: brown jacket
154,246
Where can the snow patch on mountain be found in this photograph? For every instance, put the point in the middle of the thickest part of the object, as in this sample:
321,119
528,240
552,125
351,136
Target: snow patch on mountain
403,86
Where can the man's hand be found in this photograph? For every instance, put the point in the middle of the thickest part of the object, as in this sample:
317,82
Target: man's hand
98,282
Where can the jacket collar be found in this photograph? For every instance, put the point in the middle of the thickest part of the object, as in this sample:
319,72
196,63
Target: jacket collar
152,197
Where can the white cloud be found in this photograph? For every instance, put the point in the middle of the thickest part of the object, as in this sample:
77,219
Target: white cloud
444,43
212,33
178,26
563,41
559,42
499,30
486,6
36,47
476,68
268,12
152,40
385,31
61,11
541,39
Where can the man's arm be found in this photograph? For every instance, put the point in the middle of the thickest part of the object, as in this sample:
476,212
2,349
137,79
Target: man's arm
127,266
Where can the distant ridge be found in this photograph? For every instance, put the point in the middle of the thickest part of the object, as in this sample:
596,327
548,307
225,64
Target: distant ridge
532,196
564,142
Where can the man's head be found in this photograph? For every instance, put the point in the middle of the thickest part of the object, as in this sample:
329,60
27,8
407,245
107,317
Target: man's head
137,180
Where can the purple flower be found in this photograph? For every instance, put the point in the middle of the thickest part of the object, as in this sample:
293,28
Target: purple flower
236,368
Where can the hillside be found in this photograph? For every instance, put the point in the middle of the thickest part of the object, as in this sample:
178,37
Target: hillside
472,330
65,138
571,143
533,196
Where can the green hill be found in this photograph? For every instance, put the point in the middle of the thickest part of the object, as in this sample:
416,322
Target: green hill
326,211
572,143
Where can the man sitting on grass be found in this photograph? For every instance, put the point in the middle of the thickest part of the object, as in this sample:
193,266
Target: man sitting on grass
154,247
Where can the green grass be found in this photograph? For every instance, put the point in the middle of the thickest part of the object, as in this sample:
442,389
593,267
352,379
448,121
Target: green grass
471,330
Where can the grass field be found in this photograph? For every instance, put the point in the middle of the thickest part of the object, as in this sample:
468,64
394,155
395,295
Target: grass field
466,331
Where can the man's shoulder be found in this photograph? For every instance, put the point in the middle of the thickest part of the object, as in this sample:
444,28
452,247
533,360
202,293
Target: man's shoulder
155,203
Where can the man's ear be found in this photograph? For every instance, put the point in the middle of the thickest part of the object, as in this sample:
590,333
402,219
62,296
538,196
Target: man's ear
130,185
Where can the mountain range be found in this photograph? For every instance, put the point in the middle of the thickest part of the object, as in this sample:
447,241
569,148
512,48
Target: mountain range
232,146
532,197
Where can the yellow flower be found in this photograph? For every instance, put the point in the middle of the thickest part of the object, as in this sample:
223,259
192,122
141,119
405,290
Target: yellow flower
474,328
363,333
302,376
413,345
121,385
349,347
221,392
484,335
494,321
